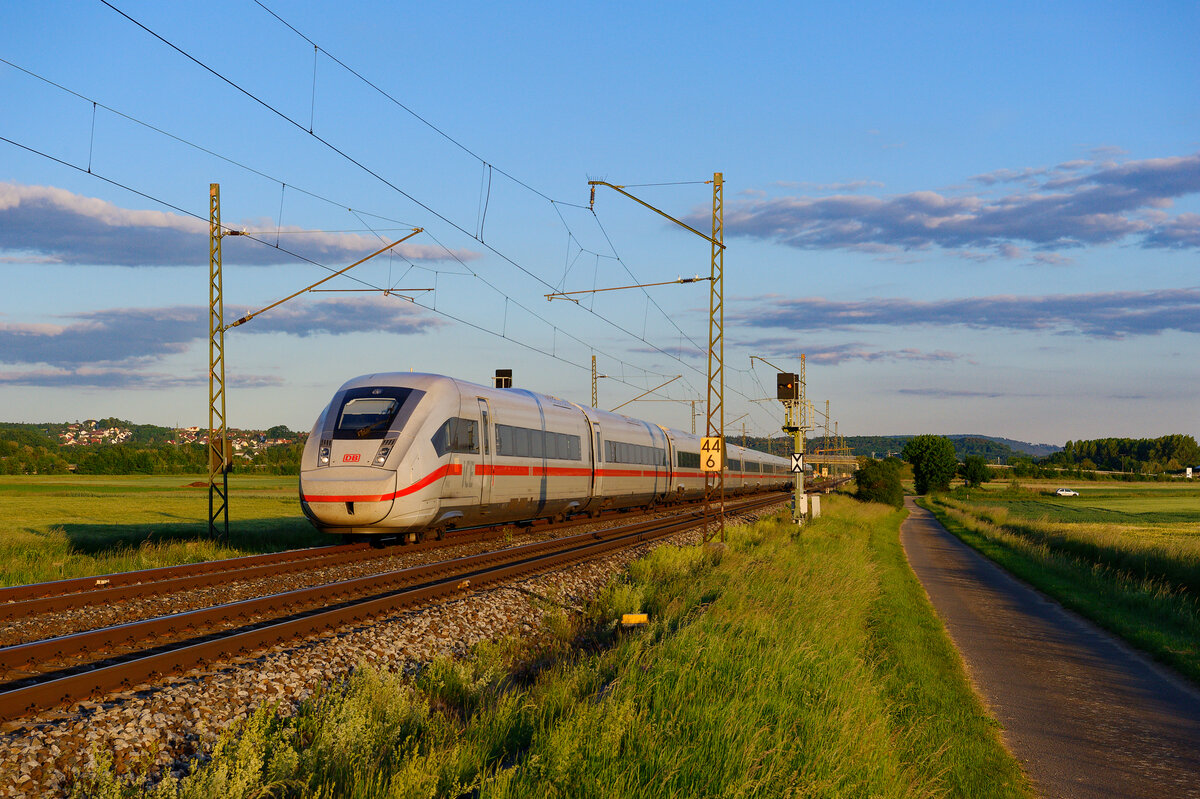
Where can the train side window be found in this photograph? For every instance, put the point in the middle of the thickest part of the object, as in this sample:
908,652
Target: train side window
563,446
456,435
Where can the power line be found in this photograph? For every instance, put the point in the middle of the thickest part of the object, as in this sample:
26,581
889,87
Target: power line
188,143
399,190
413,113
346,156
450,253
306,259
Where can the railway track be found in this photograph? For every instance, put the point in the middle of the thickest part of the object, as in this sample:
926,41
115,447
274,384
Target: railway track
24,601
41,675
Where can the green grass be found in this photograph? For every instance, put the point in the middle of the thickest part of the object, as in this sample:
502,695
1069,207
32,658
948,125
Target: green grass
1139,578
1112,503
791,664
56,527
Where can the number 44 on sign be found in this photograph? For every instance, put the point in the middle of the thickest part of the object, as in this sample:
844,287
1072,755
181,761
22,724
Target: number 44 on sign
711,454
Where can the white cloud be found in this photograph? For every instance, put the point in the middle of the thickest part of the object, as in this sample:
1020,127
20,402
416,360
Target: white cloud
44,224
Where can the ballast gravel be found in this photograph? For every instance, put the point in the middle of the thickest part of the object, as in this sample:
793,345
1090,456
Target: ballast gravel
172,724
81,619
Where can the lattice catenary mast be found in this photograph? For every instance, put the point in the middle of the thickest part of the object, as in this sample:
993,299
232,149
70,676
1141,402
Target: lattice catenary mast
218,434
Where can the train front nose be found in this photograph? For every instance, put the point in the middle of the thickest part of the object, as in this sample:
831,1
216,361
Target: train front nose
348,496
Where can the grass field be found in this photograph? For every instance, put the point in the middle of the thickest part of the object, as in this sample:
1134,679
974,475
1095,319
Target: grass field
1127,556
791,664
55,527
1143,505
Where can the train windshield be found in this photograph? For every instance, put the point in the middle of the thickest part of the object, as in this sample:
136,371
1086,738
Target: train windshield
369,412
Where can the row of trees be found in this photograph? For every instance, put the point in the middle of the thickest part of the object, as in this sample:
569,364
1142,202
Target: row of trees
934,465
1139,455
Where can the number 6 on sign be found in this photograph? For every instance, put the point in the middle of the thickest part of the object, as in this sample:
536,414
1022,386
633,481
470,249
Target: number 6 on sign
712,454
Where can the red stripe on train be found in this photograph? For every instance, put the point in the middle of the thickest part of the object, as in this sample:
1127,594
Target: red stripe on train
436,474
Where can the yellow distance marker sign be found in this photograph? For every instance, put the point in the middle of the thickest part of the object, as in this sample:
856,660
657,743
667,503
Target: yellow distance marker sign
712,454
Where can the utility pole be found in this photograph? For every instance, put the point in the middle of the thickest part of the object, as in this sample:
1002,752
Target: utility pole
826,444
595,403
220,456
714,480
218,434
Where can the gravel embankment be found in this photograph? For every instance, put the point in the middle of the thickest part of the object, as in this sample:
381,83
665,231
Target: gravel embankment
174,723
75,620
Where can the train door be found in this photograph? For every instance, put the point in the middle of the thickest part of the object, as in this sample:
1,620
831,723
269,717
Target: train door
486,473
596,460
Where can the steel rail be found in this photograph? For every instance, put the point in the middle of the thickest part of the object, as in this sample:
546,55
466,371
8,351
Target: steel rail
80,587
194,622
441,579
23,601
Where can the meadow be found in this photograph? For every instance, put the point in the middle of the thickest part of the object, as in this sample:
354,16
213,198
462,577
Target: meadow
54,527
1125,555
793,663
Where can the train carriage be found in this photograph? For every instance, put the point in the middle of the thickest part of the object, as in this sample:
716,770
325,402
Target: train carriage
413,453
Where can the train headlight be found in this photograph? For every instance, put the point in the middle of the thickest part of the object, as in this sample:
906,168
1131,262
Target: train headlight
323,457
385,449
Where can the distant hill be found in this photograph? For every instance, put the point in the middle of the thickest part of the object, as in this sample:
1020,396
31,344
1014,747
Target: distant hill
991,448
1036,450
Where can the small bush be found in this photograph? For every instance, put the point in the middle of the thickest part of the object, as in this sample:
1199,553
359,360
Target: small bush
879,481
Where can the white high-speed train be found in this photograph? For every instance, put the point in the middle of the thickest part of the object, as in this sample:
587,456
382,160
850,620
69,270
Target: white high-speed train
414,454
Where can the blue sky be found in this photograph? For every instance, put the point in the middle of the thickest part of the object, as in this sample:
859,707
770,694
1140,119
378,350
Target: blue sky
970,219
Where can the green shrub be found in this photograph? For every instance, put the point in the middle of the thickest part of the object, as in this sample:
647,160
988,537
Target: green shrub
879,481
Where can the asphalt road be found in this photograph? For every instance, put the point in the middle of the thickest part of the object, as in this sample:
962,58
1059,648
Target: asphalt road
1085,714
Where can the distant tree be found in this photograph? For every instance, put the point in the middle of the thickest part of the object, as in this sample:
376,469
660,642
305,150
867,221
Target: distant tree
975,471
933,462
280,431
879,481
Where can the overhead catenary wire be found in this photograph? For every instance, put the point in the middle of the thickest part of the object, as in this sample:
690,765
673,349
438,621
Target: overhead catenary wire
452,317
554,203
489,167
390,184
282,183
410,111
450,253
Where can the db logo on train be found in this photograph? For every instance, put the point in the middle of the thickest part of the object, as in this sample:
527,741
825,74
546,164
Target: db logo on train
350,458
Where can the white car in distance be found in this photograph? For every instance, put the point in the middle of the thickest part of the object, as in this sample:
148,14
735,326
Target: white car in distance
1066,492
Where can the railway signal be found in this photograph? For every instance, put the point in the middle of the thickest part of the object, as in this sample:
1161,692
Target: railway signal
790,390
787,387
